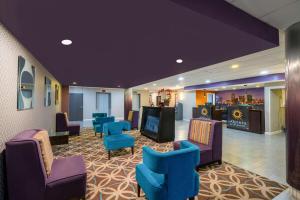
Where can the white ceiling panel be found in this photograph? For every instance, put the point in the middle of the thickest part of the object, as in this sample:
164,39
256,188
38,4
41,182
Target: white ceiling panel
284,17
260,8
278,13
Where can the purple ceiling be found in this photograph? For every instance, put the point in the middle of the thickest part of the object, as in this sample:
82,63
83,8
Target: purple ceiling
132,42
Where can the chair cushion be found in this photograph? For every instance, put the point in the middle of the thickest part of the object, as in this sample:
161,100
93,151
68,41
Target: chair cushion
153,184
113,142
200,131
46,149
67,179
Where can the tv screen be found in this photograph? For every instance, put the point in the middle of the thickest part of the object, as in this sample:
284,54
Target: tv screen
152,124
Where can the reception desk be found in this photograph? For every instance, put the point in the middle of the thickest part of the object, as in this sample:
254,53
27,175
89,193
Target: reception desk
207,112
246,119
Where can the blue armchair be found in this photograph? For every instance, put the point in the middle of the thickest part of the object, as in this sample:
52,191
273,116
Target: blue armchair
98,124
115,139
171,175
99,115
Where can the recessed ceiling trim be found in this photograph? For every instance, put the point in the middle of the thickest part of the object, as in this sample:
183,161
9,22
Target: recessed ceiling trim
256,79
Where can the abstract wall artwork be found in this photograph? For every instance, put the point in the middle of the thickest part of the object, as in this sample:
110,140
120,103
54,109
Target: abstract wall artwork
26,80
47,98
56,94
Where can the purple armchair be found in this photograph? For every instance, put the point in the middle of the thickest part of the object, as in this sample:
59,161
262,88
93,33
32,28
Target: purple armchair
63,124
133,119
27,175
212,151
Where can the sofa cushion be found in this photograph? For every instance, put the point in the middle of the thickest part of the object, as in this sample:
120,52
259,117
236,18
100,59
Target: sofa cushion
200,131
46,150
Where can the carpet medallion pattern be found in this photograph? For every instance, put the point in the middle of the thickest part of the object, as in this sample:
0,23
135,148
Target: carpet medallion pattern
115,179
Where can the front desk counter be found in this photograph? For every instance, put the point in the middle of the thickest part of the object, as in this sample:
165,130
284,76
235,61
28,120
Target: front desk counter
252,120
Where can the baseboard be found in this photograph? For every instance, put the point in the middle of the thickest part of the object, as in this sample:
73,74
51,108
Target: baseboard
273,132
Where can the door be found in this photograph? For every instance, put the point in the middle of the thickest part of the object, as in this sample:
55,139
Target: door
103,103
136,102
76,107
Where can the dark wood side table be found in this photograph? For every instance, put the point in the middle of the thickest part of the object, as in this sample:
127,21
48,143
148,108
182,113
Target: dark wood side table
58,138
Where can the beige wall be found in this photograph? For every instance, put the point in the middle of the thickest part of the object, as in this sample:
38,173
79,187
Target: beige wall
144,95
11,120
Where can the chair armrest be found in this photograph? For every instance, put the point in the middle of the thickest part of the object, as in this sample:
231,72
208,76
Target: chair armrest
105,129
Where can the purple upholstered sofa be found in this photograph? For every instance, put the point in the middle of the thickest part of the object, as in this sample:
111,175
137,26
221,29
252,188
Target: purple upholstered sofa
26,174
212,152
63,124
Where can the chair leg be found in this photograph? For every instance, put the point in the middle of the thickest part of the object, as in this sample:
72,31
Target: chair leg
108,154
132,150
138,190
220,162
100,135
191,198
95,133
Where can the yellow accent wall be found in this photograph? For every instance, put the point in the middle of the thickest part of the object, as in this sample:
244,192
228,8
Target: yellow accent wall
201,96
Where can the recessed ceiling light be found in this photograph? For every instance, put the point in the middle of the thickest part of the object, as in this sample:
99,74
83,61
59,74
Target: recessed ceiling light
264,72
207,81
119,85
66,42
234,88
145,88
235,66
180,78
257,86
216,89
154,84
179,60
74,83
224,87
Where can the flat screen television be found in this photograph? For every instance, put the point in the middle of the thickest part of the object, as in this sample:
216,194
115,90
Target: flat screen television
152,124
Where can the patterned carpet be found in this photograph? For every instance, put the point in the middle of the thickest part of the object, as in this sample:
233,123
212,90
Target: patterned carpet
115,179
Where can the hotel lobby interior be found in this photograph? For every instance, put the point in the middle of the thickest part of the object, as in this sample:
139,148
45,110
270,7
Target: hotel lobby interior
156,100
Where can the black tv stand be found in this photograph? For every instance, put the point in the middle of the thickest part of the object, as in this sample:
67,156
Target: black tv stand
166,127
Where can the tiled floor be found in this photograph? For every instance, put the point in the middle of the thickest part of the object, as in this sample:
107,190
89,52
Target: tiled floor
259,153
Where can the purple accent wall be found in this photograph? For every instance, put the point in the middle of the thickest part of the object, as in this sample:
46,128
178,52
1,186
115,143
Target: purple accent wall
256,79
293,105
257,95
129,43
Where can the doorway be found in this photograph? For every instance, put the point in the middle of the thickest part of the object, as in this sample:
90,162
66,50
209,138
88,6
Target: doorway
136,102
76,107
103,102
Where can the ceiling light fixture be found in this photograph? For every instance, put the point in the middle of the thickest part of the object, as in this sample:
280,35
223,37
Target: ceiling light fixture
179,60
235,66
119,85
224,87
264,72
180,78
74,83
234,88
257,86
145,88
66,42
154,84
207,81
